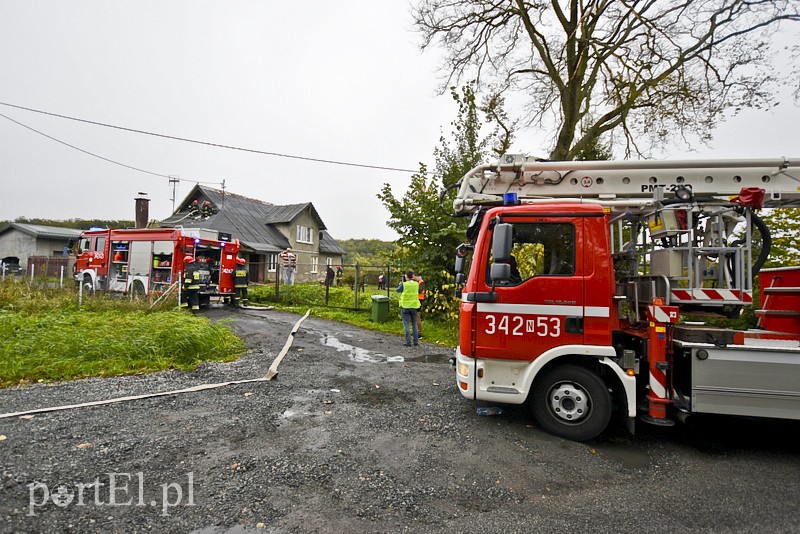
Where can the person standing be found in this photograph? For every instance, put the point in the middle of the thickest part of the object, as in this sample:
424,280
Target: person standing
191,283
329,276
288,266
418,278
241,279
409,307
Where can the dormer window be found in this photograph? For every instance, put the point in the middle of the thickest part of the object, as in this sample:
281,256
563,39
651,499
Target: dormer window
304,234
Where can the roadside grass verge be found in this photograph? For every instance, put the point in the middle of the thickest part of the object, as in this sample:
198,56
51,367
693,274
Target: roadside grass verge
46,336
301,297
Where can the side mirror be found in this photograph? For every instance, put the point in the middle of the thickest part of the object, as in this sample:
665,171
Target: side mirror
461,278
502,242
459,267
500,272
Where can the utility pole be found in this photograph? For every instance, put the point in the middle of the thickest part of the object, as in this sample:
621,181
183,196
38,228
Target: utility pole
173,180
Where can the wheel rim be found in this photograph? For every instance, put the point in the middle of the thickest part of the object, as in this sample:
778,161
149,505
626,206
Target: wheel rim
138,290
569,402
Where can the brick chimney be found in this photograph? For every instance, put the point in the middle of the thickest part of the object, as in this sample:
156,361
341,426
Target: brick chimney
142,211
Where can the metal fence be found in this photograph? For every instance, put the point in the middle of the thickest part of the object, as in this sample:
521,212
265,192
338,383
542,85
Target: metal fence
348,286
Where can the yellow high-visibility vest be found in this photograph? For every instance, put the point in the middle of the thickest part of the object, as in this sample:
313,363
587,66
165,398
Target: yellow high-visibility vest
409,298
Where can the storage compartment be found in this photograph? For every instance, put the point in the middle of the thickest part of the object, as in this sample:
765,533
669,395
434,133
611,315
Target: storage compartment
780,300
669,263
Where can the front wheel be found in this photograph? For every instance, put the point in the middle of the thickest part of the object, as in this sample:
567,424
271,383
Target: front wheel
88,285
571,402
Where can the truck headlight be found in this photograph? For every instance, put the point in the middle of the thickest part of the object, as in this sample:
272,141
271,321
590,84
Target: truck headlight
463,369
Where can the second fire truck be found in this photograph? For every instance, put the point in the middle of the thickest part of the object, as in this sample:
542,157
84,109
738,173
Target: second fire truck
142,261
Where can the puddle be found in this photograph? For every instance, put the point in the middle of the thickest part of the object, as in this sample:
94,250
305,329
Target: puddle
627,455
357,354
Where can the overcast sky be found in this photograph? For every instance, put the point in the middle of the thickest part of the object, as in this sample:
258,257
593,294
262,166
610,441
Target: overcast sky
340,81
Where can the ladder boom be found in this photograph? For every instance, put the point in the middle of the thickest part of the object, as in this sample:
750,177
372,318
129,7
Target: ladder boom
613,182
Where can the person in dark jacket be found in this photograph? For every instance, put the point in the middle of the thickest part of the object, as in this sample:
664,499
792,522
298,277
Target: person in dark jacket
191,283
330,276
241,279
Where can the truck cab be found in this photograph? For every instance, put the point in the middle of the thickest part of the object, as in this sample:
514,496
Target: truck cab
539,295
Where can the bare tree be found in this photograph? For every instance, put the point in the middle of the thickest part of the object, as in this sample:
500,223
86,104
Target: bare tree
639,69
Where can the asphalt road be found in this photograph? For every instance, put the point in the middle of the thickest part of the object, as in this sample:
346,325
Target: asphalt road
360,434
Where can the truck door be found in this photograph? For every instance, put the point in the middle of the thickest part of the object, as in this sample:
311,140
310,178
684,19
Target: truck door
98,259
541,306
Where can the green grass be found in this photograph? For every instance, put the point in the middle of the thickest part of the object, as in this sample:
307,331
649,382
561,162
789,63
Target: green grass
46,336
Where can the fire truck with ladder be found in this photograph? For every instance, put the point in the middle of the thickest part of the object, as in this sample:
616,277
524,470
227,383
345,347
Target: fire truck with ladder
145,261
577,277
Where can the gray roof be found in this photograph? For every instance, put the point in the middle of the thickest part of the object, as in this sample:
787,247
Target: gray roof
247,219
328,245
45,232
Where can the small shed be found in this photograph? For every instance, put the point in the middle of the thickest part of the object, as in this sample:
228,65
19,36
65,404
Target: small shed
20,241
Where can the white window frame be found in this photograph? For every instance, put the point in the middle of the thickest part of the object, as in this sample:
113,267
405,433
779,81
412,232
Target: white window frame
272,262
314,264
305,234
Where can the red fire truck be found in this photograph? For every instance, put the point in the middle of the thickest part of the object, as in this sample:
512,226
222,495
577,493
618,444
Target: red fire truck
144,260
578,276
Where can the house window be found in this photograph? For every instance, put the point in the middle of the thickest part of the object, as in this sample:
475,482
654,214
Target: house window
304,234
272,262
314,264
328,261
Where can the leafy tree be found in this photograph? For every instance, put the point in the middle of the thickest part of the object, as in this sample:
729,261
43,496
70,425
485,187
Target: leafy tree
784,226
367,251
636,69
428,235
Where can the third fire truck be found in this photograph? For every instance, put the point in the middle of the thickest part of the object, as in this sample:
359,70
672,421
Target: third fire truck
581,276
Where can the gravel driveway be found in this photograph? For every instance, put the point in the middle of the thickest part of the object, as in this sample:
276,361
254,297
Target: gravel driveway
360,434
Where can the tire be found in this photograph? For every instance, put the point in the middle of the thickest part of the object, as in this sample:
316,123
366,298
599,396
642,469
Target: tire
88,286
571,402
137,290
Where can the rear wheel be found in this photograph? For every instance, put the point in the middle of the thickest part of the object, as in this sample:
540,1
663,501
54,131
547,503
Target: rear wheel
571,402
137,290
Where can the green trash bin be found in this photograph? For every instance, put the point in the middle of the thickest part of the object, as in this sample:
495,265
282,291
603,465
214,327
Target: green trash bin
380,308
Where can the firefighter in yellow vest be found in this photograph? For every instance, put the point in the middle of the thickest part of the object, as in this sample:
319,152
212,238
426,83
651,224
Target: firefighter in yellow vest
191,283
409,306
241,279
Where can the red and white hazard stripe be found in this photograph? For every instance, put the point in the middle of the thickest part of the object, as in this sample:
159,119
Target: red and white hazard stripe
663,314
712,295
658,384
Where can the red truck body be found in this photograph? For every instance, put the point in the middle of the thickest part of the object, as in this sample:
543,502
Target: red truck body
547,319
143,261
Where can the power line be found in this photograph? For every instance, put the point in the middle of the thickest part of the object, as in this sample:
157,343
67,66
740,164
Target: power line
103,157
208,143
82,150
